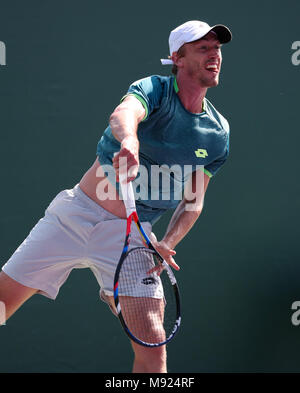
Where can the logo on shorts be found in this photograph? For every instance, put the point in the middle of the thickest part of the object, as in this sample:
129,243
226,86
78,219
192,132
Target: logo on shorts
148,280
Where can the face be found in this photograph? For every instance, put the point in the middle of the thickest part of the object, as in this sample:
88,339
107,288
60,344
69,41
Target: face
202,60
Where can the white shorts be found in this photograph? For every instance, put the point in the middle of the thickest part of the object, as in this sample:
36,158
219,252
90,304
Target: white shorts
74,233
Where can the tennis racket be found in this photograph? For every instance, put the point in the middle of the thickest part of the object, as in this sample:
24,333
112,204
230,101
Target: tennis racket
146,293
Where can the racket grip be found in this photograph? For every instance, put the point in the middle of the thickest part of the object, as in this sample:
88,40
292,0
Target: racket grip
127,194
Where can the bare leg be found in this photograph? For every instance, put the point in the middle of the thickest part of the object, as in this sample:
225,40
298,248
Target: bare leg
144,317
13,294
146,360
149,360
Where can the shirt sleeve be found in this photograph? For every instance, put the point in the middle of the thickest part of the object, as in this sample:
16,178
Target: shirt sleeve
148,91
212,168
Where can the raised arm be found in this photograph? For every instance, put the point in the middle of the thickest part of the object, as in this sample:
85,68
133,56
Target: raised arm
124,123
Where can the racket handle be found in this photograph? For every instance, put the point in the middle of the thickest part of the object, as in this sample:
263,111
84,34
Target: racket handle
127,194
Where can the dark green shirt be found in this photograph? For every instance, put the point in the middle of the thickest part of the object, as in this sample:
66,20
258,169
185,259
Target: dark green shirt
173,142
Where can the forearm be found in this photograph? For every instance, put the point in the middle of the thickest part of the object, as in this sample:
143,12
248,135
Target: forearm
180,224
123,124
188,210
125,119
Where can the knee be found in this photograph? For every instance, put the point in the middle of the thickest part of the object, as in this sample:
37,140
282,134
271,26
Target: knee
151,359
13,294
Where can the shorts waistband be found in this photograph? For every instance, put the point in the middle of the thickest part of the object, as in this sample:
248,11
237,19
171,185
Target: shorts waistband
104,214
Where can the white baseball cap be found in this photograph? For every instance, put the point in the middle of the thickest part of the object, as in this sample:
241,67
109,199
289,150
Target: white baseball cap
194,30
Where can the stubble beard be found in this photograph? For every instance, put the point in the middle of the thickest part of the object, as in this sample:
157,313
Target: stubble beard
209,82
203,80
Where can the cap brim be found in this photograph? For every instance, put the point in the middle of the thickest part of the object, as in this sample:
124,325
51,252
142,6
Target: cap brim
166,61
223,33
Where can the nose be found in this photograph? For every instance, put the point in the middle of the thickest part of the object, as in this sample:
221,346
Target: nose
215,54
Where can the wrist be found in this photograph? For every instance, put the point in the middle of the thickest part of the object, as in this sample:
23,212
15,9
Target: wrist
129,138
167,242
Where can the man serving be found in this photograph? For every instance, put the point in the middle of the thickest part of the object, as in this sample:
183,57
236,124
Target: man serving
161,121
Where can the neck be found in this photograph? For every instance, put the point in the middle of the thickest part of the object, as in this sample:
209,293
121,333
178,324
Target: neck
191,94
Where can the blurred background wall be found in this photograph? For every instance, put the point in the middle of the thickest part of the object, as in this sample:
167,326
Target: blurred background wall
66,66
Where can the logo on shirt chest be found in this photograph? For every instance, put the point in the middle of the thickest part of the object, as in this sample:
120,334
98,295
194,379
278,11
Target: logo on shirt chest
201,153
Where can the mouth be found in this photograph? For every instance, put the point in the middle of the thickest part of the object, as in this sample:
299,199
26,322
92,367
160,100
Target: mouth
212,67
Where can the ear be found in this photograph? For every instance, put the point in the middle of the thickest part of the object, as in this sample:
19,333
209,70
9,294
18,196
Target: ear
177,60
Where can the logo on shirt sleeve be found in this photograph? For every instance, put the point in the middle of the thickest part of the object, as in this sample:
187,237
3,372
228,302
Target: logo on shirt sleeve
201,153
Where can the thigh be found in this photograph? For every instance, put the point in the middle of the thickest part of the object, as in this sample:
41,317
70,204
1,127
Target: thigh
144,317
52,249
13,294
105,247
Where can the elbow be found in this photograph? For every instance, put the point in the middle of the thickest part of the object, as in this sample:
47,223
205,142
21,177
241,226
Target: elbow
194,208
117,114
115,123
113,118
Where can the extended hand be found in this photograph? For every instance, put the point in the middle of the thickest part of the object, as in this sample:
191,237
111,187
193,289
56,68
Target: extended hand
165,251
127,159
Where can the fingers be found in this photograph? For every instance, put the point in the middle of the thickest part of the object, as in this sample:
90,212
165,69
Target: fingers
170,261
158,269
164,250
125,162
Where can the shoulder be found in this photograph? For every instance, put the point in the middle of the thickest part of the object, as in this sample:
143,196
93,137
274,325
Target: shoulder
213,112
154,82
152,90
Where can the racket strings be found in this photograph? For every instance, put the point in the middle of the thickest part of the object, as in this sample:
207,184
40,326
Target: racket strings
147,300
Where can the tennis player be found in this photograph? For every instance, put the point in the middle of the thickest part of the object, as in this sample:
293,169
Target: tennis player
161,121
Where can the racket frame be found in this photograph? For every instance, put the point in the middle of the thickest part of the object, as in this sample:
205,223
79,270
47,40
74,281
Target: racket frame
132,216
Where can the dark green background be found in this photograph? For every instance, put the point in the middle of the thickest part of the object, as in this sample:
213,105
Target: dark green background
68,64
